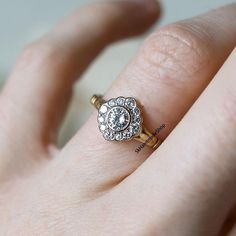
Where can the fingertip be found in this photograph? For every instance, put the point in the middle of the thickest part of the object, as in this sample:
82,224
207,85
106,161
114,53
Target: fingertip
150,9
140,15
153,7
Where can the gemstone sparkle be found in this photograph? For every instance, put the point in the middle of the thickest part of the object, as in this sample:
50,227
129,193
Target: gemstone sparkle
118,118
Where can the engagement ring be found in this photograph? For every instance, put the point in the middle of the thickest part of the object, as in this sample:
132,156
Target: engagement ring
120,119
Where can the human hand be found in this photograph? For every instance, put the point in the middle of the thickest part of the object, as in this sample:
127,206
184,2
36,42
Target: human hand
94,187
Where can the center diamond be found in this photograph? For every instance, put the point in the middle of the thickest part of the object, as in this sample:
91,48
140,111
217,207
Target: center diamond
118,118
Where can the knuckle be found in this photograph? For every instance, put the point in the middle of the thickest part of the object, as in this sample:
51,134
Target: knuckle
179,47
38,54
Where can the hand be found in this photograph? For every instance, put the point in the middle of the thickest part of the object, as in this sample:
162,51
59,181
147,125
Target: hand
94,187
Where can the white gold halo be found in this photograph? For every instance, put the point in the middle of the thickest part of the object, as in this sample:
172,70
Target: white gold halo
119,119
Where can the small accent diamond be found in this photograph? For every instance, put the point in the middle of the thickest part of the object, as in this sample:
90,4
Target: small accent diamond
130,102
119,136
120,101
137,119
136,111
102,127
127,135
112,102
103,109
136,128
108,135
101,119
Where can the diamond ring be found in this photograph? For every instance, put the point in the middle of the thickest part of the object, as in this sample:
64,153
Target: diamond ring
120,119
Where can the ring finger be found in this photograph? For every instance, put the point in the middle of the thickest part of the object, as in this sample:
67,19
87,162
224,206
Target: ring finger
169,73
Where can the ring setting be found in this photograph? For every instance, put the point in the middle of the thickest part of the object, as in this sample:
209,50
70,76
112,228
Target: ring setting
120,119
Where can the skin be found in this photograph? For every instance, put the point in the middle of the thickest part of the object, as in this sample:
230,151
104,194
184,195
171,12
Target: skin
184,76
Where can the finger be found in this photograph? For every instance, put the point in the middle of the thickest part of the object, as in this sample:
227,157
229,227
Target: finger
229,224
168,74
35,97
193,173
232,231
48,68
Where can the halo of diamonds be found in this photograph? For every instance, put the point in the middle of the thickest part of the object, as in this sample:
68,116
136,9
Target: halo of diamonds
119,119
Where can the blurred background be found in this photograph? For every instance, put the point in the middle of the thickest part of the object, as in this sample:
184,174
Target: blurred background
23,21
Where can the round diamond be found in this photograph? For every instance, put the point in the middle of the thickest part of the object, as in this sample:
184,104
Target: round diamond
118,118
137,119
112,102
127,135
103,109
130,130
136,111
130,102
102,127
101,119
119,137
109,135
120,101
136,128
